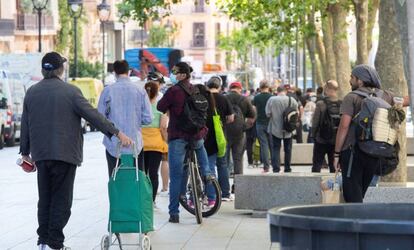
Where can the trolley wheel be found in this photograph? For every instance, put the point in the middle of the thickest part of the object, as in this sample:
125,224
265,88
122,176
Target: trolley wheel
145,242
105,242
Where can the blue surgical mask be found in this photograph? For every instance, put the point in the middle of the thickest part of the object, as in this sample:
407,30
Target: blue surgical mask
173,79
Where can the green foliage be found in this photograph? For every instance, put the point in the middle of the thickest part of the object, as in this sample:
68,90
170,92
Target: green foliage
27,6
240,42
65,37
158,36
274,23
86,69
142,11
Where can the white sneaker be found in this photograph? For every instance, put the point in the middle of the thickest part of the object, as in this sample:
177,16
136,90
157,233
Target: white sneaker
42,247
163,193
230,198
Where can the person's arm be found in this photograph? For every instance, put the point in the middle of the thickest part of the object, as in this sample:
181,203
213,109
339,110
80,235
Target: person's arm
230,111
164,103
164,126
268,109
102,106
251,113
343,129
146,110
24,131
317,115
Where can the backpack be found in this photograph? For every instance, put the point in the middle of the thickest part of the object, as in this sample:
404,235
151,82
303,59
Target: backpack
194,115
329,123
374,134
290,117
237,127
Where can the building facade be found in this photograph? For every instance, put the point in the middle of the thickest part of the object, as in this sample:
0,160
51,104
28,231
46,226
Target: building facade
19,27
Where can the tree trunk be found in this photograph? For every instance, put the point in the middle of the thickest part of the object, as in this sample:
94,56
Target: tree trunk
340,46
312,54
361,14
330,67
372,15
322,58
389,63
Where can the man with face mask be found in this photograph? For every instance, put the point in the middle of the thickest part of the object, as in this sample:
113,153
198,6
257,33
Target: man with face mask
347,153
173,102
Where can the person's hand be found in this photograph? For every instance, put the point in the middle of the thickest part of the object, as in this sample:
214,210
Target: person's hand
27,158
125,140
336,164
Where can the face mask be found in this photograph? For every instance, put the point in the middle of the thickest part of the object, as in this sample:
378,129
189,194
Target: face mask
173,79
313,98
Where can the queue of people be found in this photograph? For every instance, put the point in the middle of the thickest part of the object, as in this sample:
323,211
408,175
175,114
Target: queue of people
152,129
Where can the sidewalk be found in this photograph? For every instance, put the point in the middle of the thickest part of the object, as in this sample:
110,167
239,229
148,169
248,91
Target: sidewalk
229,229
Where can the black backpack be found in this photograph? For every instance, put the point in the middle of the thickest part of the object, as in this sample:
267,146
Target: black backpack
238,126
290,117
329,123
194,115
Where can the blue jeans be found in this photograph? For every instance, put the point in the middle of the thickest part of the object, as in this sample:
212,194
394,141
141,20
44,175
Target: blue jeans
176,153
277,144
223,176
212,164
265,143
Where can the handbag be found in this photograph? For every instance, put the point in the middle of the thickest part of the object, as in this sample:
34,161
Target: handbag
219,132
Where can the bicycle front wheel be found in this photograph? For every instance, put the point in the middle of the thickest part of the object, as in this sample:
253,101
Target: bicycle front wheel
194,178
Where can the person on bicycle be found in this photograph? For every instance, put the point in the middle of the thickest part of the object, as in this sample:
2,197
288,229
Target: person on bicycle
178,140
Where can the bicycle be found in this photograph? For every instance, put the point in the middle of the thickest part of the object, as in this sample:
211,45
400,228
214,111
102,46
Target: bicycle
195,199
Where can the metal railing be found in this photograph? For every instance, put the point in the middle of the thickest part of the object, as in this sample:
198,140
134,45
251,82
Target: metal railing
198,43
31,22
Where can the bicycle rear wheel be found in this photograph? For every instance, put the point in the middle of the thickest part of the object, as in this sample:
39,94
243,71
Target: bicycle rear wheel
195,192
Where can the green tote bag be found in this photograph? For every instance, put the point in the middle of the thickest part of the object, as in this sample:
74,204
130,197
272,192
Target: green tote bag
220,138
130,199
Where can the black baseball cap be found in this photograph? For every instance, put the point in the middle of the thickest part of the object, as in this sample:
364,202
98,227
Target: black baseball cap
52,61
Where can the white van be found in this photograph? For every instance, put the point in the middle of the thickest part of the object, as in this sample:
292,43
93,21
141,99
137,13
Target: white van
12,93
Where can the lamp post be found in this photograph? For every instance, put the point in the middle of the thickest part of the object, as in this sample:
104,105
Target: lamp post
75,11
39,6
104,11
124,19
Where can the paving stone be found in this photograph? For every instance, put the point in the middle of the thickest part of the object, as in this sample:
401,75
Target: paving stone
390,195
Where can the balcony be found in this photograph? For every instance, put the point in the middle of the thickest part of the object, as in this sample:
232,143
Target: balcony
198,43
29,22
6,27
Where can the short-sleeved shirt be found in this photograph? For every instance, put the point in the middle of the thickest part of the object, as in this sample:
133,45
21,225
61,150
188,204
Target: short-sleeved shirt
260,102
351,105
156,117
275,107
224,109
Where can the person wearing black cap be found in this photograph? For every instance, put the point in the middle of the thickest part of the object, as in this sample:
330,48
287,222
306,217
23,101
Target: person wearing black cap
363,78
51,137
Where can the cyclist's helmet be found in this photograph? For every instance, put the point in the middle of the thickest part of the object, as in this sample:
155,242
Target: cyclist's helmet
155,76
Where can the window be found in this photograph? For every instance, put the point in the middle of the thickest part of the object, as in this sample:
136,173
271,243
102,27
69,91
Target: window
199,6
198,35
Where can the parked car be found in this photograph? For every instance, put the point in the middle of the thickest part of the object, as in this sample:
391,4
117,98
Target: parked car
12,90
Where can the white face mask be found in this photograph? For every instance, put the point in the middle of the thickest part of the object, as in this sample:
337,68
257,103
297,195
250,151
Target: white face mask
313,99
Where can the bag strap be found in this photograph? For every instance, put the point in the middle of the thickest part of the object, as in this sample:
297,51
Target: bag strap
213,102
187,90
289,101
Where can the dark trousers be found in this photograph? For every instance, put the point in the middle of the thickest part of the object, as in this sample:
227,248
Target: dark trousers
152,161
112,162
299,134
249,149
55,186
287,145
319,152
236,147
362,171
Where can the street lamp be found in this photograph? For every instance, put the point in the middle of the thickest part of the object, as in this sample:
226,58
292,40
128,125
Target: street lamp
104,11
39,6
124,19
75,11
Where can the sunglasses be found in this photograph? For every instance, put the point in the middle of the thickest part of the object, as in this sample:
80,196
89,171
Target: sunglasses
176,71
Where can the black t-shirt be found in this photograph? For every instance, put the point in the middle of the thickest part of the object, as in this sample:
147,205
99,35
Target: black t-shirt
224,109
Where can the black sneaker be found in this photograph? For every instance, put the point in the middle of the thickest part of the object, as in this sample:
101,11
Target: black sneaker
174,218
288,170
